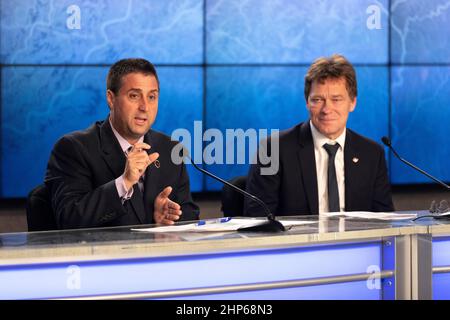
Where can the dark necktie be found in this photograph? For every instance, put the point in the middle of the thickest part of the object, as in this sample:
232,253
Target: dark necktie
333,192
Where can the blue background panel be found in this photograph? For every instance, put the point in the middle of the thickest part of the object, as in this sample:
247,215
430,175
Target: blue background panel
441,251
441,258
138,275
208,35
272,98
441,285
251,97
54,102
58,100
419,125
419,31
169,31
286,31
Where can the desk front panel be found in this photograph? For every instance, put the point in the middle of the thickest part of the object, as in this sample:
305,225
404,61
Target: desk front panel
203,271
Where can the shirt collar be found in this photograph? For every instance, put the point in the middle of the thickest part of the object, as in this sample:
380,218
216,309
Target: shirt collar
319,139
124,144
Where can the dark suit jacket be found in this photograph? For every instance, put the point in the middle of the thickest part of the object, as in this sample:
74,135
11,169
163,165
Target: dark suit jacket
293,190
81,177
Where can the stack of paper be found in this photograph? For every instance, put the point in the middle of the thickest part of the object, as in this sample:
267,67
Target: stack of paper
388,216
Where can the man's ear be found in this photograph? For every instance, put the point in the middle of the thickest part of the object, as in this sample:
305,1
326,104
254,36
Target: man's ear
110,98
307,105
353,106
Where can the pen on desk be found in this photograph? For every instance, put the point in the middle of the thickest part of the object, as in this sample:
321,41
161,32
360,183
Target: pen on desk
220,220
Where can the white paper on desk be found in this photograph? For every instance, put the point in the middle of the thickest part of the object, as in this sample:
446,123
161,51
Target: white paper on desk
231,225
388,216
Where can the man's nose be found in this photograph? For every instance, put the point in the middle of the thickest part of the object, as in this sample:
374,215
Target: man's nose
326,106
144,104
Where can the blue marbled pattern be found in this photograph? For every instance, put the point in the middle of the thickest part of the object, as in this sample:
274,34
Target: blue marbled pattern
46,102
420,118
286,31
420,31
35,31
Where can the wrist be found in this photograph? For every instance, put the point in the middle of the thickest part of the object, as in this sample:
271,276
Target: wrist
127,183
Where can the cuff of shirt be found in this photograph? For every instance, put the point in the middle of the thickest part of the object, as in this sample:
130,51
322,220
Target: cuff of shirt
122,190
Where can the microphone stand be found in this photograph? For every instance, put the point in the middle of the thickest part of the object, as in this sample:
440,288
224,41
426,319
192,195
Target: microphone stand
387,142
271,225
440,215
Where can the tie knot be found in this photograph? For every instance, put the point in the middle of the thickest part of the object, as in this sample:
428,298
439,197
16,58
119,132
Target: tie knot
331,149
127,151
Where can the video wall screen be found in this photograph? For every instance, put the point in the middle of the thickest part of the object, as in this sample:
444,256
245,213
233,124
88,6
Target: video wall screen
225,67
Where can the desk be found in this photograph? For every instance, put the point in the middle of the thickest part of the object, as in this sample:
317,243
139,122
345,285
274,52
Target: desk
329,259
434,266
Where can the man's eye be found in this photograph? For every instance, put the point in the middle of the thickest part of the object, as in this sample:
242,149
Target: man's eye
133,96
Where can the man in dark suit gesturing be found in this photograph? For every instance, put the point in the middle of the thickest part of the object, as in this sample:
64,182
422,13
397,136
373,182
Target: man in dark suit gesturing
323,166
119,171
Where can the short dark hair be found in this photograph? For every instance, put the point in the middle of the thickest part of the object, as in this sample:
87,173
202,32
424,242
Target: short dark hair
126,66
333,67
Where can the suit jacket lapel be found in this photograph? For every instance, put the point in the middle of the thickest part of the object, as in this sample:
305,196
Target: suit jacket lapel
111,151
308,166
152,177
351,169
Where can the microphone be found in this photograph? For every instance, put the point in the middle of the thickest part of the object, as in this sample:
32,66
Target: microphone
442,214
387,143
271,225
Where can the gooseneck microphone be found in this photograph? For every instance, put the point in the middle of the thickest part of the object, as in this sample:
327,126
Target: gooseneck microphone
272,225
387,142
440,214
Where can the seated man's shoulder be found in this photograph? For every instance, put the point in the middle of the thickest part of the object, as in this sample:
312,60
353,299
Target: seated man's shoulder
82,137
364,142
162,139
291,133
286,134
287,137
159,135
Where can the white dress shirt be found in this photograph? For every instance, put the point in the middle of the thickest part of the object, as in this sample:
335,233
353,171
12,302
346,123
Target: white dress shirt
321,157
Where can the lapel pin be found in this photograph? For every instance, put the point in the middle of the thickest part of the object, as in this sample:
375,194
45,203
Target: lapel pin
157,164
355,160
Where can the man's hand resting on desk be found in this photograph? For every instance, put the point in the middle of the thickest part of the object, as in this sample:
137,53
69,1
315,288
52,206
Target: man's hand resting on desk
166,211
